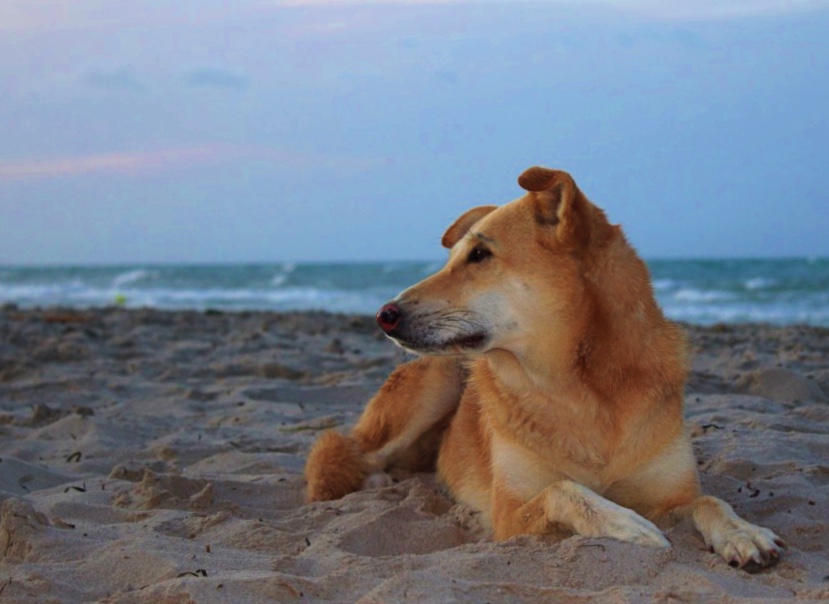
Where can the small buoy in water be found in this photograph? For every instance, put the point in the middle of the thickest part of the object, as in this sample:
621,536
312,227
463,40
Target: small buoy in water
120,299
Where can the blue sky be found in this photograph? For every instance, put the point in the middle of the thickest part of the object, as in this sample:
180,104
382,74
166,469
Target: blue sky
260,131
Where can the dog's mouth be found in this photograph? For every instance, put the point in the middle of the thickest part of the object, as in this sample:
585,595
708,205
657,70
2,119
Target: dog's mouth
471,342
441,333
460,345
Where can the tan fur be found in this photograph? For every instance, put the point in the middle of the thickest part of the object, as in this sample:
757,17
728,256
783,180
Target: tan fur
566,416
339,467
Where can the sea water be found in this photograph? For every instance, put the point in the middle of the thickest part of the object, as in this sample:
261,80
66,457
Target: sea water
780,291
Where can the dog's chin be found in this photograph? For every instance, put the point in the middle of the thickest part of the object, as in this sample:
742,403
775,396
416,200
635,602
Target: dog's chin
475,343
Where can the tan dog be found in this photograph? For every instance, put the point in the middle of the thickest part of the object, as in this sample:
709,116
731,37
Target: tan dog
551,392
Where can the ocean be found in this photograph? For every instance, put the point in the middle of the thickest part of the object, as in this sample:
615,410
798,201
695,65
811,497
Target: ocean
781,291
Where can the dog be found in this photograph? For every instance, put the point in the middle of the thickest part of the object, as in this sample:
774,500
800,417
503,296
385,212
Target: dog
549,391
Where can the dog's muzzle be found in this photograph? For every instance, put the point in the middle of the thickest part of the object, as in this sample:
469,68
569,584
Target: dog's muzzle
448,331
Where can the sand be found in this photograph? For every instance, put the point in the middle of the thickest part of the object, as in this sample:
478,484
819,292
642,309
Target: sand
156,457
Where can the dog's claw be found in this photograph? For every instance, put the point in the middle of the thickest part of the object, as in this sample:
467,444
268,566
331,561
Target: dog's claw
744,545
747,560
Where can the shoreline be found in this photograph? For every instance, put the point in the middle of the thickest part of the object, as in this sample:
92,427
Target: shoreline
151,455
14,307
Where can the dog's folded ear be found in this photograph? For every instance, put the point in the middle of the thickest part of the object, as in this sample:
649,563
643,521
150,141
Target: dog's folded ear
462,225
559,203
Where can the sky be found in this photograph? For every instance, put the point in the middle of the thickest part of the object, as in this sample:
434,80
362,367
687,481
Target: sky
336,130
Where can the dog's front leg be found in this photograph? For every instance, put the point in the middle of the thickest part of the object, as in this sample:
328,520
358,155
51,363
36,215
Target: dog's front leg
401,426
740,543
568,507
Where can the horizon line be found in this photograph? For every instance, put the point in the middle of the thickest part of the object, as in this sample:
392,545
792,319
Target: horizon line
262,263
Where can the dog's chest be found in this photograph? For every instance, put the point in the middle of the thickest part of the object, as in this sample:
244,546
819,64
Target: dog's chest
532,449
526,472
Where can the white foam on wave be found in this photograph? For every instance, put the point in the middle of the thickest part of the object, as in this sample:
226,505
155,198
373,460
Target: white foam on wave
663,284
292,298
701,296
758,283
708,314
74,293
280,278
305,298
37,290
17,292
200,295
301,294
696,295
129,277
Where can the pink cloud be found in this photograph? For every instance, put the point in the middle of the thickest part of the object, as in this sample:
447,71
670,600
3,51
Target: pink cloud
676,10
115,163
173,159
303,3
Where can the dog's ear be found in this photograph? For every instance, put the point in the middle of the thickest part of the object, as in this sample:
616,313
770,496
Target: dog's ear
462,225
559,203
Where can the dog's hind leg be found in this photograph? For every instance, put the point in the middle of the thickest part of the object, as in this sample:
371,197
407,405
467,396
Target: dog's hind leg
400,427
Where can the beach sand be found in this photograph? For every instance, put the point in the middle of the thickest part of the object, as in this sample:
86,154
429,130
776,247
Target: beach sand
157,457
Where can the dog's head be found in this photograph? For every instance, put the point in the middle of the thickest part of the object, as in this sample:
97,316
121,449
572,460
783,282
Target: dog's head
514,272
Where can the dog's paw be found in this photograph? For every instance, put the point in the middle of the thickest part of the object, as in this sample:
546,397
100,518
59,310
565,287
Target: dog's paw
747,546
599,517
377,480
626,525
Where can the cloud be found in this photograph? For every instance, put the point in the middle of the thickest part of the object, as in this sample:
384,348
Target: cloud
329,3
97,75
63,15
115,15
112,79
114,163
212,77
714,10
40,15
173,159
669,10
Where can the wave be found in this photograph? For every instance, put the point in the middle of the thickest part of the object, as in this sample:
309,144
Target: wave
706,315
662,284
281,278
392,267
696,295
432,267
83,295
698,292
129,277
759,283
292,298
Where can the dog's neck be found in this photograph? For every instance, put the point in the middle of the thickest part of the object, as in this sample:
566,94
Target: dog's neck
602,345
629,346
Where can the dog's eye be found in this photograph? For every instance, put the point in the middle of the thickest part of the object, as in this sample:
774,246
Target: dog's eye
478,254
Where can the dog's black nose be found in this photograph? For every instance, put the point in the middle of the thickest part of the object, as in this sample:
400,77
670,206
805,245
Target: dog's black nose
389,316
